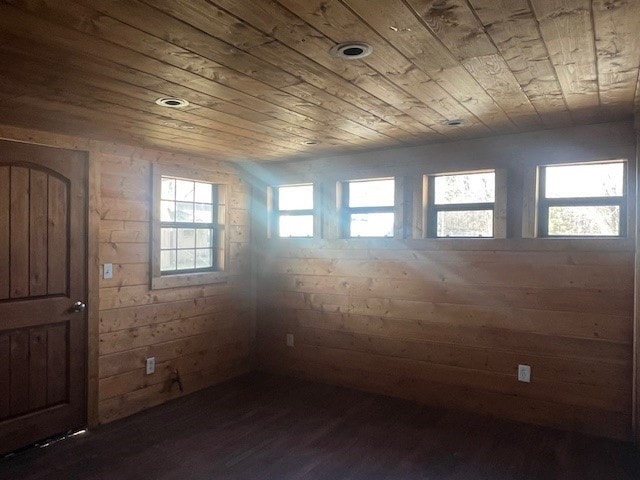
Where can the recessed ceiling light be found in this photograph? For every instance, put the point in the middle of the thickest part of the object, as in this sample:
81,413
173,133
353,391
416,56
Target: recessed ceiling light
311,142
351,50
172,102
456,122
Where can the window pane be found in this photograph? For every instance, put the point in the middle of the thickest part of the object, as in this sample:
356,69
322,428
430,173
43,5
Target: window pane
372,193
372,224
184,191
585,220
184,212
465,188
466,223
167,260
167,211
168,238
203,193
203,213
203,238
168,189
186,238
295,226
203,258
588,180
295,197
186,259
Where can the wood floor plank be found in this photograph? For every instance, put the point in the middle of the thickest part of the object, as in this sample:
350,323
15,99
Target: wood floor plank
266,426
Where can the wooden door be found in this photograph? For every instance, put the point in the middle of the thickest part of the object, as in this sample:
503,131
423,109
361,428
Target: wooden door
42,275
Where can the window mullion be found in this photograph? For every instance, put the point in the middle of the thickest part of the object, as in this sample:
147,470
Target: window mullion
463,207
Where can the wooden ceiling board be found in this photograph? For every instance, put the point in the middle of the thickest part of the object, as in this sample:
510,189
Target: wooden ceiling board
339,126
310,43
287,109
383,130
514,30
617,26
458,27
567,30
340,24
261,83
55,91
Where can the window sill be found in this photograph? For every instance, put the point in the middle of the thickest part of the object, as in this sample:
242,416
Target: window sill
188,280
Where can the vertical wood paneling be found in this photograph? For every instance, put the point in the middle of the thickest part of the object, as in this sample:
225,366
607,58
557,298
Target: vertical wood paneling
37,368
5,375
57,236
19,372
19,218
57,357
38,233
5,189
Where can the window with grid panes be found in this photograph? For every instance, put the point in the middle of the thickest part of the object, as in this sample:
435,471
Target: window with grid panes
188,215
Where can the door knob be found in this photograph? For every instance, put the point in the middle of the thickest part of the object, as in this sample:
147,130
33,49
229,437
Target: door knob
79,306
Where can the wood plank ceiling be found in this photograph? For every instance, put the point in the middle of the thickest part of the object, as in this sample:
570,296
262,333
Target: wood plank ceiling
261,83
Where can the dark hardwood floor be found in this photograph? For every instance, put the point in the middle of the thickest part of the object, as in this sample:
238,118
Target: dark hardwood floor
268,427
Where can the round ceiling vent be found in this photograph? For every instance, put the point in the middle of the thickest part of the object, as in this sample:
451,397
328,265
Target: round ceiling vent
172,102
311,142
453,123
351,50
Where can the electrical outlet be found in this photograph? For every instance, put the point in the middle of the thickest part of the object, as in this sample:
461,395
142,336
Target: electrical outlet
151,365
524,373
289,339
108,271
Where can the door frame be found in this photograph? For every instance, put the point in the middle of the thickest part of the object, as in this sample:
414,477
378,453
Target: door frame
636,314
93,285
92,244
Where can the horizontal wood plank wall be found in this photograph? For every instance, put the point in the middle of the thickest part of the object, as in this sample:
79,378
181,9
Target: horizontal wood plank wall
447,322
205,332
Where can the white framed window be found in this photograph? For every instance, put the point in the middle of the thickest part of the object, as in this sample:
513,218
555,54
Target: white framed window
292,211
368,208
582,199
462,205
188,241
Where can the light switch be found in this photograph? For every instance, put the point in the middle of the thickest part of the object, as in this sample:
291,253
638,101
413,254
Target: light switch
151,365
108,271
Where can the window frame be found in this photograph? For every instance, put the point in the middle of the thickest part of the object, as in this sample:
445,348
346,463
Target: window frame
346,211
275,213
544,204
433,208
181,278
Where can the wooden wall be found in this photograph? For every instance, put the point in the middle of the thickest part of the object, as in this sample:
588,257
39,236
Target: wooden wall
205,332
445,321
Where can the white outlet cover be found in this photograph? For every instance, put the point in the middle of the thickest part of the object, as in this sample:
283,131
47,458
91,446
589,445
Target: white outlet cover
108,271
151,365
289,339
524,373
